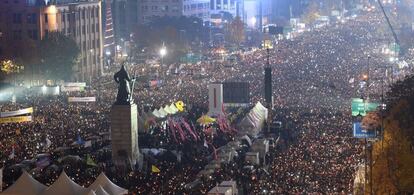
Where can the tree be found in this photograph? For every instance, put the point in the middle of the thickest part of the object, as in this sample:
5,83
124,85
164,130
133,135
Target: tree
19,55
58,55
8,67
393,156
177,33
311,13
237,31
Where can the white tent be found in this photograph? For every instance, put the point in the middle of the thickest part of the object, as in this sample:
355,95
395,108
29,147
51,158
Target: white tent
91,192
101,191
167,110
162,112
25,185
103,182
173,108
64,186
156,113
253,122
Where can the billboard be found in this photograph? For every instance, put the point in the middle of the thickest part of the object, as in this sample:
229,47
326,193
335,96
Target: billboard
359,107
81,99
359,132
236,93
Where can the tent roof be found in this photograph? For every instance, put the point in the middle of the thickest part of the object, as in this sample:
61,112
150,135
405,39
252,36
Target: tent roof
156,113
162,112
173,108
168,110
25,185
64,186
91,193
108,186
101,191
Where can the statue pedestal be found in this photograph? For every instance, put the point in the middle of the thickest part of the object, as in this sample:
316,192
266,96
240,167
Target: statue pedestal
124,135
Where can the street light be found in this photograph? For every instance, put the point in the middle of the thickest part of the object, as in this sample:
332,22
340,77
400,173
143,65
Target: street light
253,21
163,52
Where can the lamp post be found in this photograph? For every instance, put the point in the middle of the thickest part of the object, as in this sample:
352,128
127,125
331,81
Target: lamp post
163,52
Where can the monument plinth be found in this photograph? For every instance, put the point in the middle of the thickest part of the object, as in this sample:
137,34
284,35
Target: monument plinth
124,122
124,134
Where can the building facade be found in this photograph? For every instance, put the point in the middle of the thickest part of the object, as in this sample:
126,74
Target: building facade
197,8
234,7
148,9
80,20
129,14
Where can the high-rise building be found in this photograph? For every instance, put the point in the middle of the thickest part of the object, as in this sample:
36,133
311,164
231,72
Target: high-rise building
197,8
125,18
175,8
128,14
234,7
80,20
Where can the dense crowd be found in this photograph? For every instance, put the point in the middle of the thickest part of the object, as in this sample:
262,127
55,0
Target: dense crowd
314,77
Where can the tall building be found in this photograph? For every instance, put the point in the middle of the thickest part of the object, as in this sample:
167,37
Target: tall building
80,20
125,18
258,13
197,8
174,8
128,14
234,7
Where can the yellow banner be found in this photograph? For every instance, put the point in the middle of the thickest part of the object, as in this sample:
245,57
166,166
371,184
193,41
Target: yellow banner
17,119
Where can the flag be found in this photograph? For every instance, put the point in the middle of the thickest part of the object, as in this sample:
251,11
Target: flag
187,126
48,143
80,141
205,144
12,155
88,144
155,169
90,161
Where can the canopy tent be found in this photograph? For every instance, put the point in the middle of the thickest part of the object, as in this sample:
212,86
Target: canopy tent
64,186
168,110
156,113
205,120
25,185
173,108
91,193
253,122
101,191
162,112
103,184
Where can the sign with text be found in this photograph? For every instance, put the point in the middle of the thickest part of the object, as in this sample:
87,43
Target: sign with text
17,112
82,99
359,107
359,132
17,119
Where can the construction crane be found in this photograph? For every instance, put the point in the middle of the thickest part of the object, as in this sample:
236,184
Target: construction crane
397,42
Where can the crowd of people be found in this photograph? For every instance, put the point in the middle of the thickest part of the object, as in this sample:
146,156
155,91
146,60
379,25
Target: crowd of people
314,77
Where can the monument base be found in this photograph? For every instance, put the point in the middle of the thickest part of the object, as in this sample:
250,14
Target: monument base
124,135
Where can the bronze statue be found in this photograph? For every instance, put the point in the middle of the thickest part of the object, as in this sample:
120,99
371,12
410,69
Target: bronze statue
124,96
